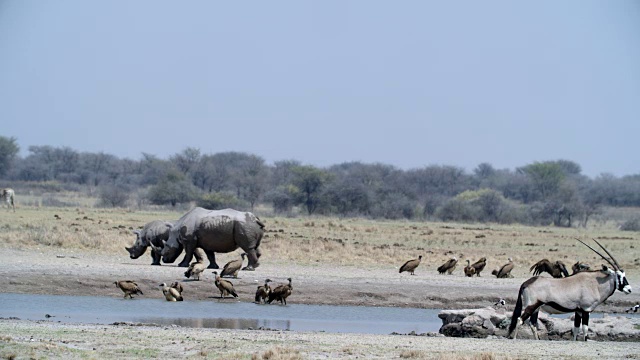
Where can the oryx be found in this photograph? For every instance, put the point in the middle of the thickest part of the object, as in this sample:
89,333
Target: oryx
8,196
580,293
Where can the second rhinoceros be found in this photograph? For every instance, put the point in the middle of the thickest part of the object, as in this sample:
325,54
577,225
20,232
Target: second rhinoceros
214,231
152,234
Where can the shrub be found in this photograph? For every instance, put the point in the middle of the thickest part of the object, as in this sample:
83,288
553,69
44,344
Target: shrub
221,200
631,225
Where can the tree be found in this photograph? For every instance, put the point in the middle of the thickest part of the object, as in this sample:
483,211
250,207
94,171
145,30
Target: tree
310,182
546,177
187,160
172,189
113,196
8,151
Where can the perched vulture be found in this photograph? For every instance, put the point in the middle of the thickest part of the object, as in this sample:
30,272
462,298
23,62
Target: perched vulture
170,293
176,285
281,292
448,266
262,294
232,267
411,265
195,269
129,288
505,270
555,269
225,286
479,265
469,270
578,267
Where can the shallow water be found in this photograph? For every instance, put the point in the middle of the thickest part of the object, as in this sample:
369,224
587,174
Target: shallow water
225,314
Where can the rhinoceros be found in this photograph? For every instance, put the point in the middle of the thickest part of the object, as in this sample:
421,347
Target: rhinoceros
152,235
214,231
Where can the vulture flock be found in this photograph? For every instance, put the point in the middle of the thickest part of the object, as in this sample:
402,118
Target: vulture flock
264,294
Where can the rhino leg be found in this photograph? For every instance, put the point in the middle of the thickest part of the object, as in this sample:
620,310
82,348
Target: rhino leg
155,257
252,255
212,260
188,256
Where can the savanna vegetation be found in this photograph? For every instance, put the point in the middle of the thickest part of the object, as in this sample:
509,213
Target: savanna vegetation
541,193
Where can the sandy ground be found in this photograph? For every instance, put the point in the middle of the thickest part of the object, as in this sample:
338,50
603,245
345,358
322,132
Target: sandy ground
51,271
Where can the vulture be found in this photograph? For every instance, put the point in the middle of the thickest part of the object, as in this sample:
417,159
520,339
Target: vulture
176,285
469,270
578,267
448,266
479,265
232,267
555,269
263,292
411,265
195,269
170,293
225,286
281,292
505,270
129,288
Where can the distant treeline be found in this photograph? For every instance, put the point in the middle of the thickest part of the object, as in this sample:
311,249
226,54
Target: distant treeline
541,193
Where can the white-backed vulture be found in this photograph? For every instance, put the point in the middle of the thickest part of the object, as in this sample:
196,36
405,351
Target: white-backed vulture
225,286
195,269
176,285
129,288
170,294
505,270
232,267
578,267
411,265
263,292
556,269
469,270
448,266
281,292
479,265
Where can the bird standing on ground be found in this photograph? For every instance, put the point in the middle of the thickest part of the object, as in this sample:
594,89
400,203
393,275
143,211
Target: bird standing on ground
448,266
129,288
263,292
469,270
176,285
556,269
411,265
479,265
634,308
170,294
578,267
505,270
225,286
195,269
232,267
281,292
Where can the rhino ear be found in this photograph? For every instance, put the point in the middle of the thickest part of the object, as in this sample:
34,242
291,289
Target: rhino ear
183,231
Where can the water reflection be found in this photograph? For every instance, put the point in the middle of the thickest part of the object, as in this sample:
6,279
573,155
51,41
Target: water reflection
219,323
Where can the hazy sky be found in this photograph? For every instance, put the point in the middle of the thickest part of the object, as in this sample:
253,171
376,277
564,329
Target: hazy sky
408,83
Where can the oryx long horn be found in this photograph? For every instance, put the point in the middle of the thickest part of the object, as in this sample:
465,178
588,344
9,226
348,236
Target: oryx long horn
596,251
608,253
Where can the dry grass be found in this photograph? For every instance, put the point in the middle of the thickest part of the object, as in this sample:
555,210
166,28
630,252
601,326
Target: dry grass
322,241
278,353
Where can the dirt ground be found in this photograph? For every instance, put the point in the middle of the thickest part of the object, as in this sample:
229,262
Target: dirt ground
73,272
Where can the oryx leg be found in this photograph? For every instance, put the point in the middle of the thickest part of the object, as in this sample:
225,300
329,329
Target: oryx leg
576,325
533,324
528,312
585,324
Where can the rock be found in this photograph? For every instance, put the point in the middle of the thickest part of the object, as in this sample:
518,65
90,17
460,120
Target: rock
490,323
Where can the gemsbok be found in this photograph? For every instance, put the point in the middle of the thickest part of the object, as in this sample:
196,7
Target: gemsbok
580,293
8,195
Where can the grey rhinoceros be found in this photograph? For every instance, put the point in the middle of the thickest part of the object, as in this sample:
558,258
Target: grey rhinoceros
214,231
153,235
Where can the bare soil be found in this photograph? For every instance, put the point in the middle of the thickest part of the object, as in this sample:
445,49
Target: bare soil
48,270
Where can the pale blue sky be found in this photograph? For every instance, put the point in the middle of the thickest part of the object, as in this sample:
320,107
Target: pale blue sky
408,83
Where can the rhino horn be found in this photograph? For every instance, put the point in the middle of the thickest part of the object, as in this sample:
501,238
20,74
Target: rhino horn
155,248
